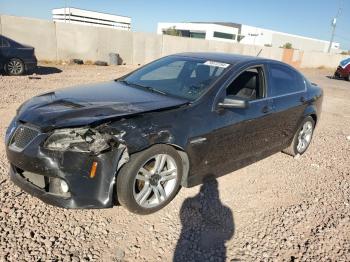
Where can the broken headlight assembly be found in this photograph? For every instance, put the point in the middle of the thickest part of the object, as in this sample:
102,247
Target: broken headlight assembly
79,140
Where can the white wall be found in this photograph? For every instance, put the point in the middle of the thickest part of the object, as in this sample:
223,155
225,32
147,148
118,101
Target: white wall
209,29
256,36
253,36
277,39
60,41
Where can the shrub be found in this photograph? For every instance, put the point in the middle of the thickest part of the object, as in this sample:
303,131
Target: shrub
172,31
287,46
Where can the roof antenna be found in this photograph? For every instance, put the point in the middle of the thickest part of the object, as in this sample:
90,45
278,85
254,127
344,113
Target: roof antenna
259,52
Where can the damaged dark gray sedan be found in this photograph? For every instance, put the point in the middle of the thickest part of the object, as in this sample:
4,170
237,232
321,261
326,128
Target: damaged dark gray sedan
171,123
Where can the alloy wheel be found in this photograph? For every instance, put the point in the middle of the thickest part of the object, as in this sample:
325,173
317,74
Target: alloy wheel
305,136
155,181
15,67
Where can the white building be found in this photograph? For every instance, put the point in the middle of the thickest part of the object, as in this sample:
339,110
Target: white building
232,32
85,17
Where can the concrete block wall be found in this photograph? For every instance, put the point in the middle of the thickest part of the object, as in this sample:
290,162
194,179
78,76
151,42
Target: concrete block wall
92,43
315,59
34,32
60,41
146,47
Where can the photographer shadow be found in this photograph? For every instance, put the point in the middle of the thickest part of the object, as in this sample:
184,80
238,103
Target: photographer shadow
206,226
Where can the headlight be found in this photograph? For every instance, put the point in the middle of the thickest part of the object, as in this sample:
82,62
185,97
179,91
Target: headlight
77,139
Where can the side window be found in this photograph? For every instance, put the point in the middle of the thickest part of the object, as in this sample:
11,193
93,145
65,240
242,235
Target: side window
284,81
249,84
166,72
4,42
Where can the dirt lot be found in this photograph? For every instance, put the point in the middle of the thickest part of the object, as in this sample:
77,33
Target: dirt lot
279,209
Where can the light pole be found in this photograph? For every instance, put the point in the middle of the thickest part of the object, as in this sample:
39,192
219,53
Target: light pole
65,7
334,25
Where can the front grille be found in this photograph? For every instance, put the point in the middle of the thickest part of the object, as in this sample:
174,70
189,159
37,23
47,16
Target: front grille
22,137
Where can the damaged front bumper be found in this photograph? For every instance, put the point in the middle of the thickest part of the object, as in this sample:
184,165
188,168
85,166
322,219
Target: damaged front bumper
64,178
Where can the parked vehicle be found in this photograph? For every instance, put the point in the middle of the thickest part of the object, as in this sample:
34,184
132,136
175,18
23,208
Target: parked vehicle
343,70
168,124
15,58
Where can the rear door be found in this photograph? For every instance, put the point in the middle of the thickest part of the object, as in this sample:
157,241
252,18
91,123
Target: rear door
288,92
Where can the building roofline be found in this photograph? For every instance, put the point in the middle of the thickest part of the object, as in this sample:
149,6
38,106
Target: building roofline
90,11
229,24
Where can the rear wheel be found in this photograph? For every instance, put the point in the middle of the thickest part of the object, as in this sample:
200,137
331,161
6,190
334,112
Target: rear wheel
14,67
302,138
150,180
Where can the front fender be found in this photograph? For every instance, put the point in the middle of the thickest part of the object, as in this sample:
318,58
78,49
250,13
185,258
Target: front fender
142,132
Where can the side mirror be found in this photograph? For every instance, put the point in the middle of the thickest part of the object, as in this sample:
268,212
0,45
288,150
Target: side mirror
234,102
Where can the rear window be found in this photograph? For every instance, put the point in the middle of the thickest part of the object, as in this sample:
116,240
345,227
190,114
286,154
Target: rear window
285,81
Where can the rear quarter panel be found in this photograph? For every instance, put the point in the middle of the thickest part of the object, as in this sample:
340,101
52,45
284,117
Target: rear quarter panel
315,99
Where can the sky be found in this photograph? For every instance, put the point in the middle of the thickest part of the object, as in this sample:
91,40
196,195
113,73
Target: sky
311,18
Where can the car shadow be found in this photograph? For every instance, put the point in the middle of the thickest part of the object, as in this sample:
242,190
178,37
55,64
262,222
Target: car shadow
46,70
206,226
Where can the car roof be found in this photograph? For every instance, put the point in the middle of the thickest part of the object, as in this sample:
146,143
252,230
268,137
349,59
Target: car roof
222,57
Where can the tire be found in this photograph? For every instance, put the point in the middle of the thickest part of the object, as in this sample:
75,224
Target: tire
139,184
15,67
295,147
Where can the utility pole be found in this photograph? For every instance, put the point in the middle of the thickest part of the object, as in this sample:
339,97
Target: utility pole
334,25
65,7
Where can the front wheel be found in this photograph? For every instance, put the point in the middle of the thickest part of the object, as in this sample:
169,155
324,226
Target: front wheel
150,180
302,138
15,67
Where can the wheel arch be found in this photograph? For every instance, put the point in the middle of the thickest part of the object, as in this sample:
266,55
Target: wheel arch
185,163
311,111
182,153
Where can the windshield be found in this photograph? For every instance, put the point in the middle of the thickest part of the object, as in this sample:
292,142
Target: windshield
178,76
345,62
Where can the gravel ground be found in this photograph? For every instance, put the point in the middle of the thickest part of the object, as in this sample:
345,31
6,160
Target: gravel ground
279,209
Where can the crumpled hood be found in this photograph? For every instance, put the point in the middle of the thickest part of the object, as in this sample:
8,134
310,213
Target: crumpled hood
85,105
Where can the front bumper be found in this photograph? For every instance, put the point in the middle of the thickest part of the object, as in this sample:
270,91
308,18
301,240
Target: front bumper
341,72
30,64
73,168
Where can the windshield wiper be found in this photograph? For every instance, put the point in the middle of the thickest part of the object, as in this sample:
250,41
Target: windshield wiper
123,81
155,90
142,86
